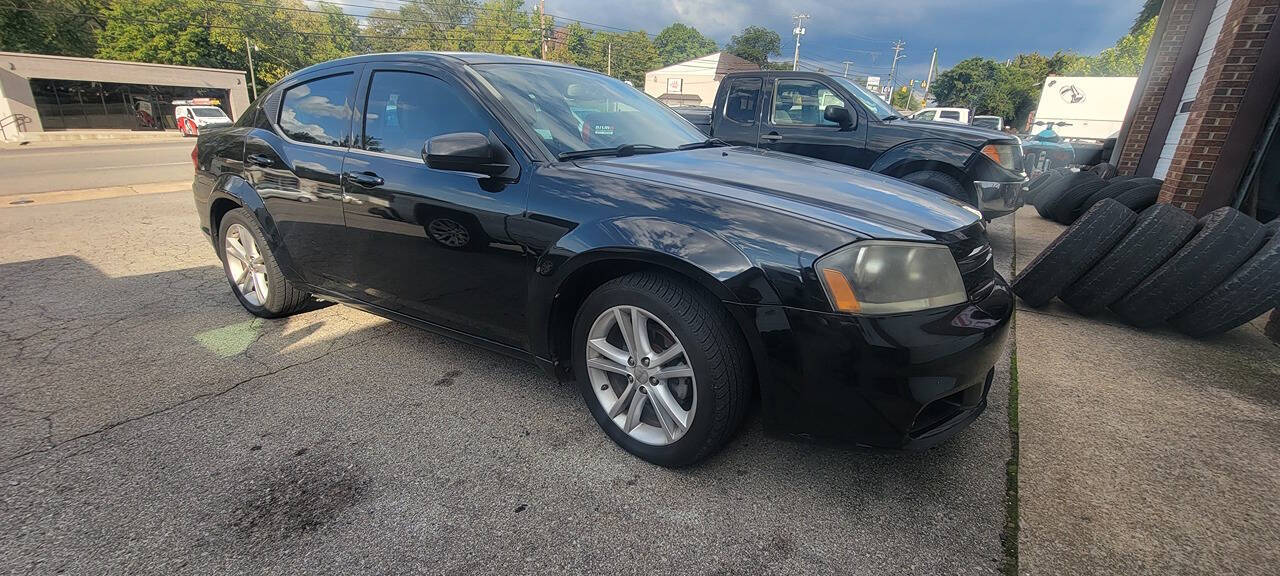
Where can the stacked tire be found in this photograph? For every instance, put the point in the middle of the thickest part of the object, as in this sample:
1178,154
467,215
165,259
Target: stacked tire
1203,277
1064,195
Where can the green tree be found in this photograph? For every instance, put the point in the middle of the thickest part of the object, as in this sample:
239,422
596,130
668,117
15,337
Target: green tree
1150,9
163,31
502,27
1123,59
62,27
755,44
903,100
678,43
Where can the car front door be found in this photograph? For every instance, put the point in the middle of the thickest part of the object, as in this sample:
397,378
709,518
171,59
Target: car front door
293,159
737,118
428,243
793,122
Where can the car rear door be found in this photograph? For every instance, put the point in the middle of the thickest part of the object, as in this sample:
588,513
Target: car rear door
736,119
793,122
293,158
428,243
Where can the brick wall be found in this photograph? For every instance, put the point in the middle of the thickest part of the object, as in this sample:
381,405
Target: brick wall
1244,32
1169,44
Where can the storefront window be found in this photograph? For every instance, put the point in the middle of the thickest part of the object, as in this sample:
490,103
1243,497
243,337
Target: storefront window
79,105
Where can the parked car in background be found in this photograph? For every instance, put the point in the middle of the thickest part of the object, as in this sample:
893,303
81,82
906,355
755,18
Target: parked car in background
835,119
560,216
953,115
191,119
991,122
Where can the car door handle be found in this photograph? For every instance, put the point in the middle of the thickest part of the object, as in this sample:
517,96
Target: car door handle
365,179
772,137
259,160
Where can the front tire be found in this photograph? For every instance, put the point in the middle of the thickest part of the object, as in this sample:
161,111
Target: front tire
661,367
943,183
252,270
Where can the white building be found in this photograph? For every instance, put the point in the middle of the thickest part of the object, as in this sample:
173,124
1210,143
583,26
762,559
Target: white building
693,83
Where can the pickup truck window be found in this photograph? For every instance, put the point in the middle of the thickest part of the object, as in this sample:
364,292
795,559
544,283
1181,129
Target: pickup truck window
741,99
950,115
925,116
405,109
571,110
801,102
875,104
318,111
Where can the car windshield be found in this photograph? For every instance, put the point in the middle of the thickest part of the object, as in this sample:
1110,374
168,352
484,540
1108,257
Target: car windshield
573,110
208,112
878,107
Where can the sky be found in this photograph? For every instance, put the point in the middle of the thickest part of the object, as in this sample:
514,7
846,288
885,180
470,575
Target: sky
864,32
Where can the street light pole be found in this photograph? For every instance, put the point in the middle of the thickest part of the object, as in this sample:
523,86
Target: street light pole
253,78
799,31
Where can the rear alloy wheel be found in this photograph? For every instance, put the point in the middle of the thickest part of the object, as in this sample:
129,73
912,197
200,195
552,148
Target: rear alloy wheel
252,270
661,366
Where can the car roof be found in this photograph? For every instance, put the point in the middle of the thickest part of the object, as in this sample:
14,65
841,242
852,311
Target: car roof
446,59
775,73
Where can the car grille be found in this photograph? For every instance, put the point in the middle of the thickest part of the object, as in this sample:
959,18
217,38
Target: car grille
972,251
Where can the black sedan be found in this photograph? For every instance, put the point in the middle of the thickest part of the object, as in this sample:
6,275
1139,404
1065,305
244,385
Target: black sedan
561,216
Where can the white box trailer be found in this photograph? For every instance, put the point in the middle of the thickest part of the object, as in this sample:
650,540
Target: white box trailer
1084,107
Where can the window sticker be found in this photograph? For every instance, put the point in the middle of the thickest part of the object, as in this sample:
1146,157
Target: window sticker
393,116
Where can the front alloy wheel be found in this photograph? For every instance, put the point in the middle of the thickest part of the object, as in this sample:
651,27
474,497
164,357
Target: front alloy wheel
662,367
641,375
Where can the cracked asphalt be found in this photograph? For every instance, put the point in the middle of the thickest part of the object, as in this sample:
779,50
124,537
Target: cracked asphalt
148,425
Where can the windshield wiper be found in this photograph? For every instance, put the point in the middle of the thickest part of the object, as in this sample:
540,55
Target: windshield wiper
708,143
619,151
890,117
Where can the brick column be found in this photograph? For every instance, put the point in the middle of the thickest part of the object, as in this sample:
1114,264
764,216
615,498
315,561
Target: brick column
1175,21
1244,33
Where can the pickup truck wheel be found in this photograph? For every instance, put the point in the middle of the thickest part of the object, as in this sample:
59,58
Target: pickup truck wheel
661,367
252,269
1224,239
1251,290
1073,252
944,183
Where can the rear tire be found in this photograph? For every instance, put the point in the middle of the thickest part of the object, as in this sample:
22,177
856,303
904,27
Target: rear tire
1224,239
252,270
1072,254
721,380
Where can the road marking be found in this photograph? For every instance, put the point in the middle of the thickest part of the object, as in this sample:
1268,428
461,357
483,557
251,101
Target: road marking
120,167
63,196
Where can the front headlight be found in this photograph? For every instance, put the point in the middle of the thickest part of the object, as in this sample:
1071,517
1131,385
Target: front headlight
890,277
1008,156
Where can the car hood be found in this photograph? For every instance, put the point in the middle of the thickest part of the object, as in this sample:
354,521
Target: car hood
972,135
859,201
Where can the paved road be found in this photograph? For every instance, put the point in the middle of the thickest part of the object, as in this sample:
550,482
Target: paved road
148,425
29,171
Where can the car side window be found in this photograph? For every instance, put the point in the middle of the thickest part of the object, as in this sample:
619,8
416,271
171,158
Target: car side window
801,103
740,104
928,116
950,115
318,111
405,109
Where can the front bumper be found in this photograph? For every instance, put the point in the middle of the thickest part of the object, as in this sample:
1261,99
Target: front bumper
907,381
997,199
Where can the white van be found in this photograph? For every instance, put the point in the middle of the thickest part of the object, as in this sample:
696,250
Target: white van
191,119
953,115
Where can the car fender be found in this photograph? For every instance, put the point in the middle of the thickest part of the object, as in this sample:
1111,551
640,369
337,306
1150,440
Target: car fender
931,153
697,254
236,189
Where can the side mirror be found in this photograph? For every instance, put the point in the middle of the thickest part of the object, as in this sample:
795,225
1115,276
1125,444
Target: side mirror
840,115
466,152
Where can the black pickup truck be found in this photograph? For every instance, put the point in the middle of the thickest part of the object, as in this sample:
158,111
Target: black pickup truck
833,118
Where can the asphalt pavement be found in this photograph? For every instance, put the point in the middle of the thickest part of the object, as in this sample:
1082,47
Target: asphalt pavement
78,166
149,425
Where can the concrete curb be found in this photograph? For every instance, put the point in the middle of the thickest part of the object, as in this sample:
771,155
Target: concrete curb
63,196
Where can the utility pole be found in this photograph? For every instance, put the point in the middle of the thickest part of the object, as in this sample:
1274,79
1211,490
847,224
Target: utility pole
798,31
542,25
253,78
846,67
928,84
897,49
608,66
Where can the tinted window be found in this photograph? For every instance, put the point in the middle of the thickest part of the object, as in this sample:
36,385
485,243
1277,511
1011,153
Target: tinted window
949,115
318,111
740,105
925,115
208,112
406,109
802,102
